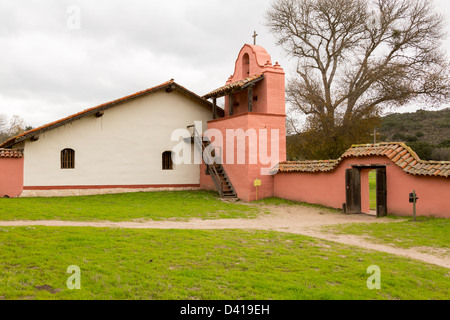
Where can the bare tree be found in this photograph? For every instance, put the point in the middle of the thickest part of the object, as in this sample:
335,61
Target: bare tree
15,125
3,121
293,123
357,57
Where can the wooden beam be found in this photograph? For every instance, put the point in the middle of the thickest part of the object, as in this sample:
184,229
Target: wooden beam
369,166
214,108
99,114
250,99
231,103
171,88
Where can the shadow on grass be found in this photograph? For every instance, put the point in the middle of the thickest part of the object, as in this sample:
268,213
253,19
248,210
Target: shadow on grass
278,201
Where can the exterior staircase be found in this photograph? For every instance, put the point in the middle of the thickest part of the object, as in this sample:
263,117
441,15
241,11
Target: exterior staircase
215,170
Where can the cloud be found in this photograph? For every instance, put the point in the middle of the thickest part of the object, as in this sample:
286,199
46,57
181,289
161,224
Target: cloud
48,71
121,47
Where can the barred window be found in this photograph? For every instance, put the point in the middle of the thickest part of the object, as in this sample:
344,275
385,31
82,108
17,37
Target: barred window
167,163
68,159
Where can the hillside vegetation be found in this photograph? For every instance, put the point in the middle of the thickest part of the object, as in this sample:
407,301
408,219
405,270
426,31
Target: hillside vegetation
426,132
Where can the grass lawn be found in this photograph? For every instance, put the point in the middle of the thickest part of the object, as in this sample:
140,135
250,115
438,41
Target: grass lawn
190,264
429,232
180,205
277,201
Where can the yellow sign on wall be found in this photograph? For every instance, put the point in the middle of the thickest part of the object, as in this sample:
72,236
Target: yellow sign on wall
257,183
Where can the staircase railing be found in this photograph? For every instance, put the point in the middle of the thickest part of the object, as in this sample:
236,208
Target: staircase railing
198,141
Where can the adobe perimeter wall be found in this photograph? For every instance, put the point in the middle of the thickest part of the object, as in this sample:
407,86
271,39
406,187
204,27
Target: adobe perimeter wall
11,177
329,188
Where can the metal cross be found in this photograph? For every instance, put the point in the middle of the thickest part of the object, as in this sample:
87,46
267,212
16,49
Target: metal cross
254,37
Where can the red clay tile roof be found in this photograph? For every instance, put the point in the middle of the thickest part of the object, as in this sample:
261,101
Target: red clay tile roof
308,166
169,85
233,87
11,153
399,153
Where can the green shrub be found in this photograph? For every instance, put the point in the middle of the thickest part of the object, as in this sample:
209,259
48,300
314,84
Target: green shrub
423,149
404,137
441,154
398,137
410,138
444,144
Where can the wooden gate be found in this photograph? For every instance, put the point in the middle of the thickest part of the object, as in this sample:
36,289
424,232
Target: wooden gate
353,190
381,192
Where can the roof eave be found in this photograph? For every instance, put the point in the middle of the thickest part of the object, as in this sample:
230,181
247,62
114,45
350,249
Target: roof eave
108,105
231,88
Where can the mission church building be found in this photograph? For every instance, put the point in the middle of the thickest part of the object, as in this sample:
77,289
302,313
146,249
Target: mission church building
126,145
123,144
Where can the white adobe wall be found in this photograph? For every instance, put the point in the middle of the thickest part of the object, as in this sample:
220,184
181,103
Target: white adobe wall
89,192
124,147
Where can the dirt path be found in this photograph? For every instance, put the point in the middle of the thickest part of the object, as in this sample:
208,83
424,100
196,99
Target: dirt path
295,219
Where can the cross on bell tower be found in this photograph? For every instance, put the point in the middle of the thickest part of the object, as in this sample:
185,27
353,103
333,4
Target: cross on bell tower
254,37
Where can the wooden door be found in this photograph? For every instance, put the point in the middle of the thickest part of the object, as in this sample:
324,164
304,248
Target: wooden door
353,190
381,193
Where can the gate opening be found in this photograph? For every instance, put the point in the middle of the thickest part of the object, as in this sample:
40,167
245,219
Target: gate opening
366,190
372,177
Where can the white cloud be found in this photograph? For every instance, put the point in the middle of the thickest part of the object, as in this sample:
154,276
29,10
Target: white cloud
48,71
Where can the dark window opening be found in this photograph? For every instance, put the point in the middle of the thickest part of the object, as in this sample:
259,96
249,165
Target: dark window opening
167,163
245,65
68,159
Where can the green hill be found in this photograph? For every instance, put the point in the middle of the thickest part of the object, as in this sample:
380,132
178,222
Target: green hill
426,132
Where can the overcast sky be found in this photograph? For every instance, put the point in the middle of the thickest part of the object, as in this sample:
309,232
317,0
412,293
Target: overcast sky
51,66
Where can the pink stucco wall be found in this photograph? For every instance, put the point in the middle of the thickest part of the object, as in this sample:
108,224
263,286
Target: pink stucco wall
319,188
11,177
242,176
329,188
268,94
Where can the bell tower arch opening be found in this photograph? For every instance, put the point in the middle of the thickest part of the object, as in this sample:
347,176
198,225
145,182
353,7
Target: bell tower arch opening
245,66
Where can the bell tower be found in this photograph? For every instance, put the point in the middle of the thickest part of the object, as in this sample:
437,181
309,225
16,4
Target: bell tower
256,86
253,128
